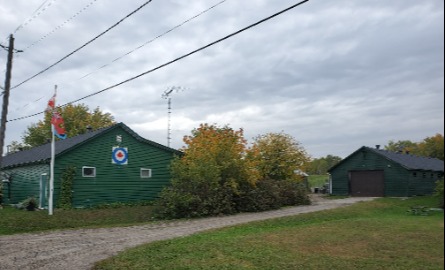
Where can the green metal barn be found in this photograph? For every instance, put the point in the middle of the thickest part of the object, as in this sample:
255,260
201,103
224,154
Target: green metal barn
112,164
378,173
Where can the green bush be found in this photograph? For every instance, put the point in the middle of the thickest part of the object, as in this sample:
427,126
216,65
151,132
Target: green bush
66,188
264,196
293,193
176,203
270,194
219,175
30,204
439,192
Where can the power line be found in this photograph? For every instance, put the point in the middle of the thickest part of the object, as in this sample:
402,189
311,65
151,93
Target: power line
61,25
173,61
35,14
4,47
154,39
86,44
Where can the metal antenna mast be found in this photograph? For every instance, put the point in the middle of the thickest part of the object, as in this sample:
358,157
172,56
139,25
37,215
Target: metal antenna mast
167,95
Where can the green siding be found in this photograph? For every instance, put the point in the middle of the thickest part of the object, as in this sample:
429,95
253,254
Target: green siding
116,183
422,182
399,181
25,183
396,177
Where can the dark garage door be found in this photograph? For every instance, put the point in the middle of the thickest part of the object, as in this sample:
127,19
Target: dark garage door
368,184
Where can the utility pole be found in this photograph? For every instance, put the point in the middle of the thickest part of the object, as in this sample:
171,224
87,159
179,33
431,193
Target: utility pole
6,96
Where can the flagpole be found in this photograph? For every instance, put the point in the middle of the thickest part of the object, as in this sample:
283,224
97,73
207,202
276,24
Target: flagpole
51,179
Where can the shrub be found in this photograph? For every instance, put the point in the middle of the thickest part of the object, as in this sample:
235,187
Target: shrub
176,203
30,204
293,193
264,196
270,194
66,188
219,175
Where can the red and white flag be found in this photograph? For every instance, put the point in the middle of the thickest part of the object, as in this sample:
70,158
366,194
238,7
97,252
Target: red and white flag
58,125
57,122
51,104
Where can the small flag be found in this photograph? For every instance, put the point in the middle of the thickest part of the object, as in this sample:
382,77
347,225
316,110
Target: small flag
51,104
58,124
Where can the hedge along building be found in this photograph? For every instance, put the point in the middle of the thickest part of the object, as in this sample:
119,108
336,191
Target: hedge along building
377,173
112,164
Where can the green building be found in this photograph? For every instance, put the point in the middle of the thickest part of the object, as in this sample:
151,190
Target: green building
378,173
113,164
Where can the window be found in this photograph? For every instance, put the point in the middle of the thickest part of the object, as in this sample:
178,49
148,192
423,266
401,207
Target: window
88,171
146,173
415,174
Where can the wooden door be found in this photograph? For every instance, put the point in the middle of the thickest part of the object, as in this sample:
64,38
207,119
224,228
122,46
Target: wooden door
367,183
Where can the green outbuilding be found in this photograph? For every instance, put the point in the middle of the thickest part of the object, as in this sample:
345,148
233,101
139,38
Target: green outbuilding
111,165
373,172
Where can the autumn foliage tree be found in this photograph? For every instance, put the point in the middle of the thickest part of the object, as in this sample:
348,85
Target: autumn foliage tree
277,156
77,119
277,160
208,176
219,174
430,147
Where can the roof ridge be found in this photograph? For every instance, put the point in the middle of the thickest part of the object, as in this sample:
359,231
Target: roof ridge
411,161
42,152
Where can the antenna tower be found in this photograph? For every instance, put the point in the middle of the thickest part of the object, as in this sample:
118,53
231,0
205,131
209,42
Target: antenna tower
167,95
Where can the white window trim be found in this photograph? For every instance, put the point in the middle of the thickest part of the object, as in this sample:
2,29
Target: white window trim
88,176
150,173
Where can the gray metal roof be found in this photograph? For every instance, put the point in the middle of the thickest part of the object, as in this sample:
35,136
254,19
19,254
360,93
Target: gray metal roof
42,154
409,162
412,162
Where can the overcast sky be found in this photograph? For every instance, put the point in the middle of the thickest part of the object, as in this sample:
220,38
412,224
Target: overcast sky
336,75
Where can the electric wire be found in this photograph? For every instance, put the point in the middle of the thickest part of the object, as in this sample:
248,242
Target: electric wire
61,25
154,39
141,46
83,46
172,61
35,14
3,47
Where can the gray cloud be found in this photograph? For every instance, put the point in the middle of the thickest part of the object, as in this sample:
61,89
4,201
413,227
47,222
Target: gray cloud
336,75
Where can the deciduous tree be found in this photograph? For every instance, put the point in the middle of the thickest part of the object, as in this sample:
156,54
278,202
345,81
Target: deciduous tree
278,156
321,166
401,146
209,174
77,119
430,147
218,174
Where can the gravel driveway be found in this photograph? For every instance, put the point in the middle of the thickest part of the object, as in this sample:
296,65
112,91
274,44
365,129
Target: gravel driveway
80,249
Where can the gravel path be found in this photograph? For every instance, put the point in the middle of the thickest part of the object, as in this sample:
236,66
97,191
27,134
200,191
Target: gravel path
80,249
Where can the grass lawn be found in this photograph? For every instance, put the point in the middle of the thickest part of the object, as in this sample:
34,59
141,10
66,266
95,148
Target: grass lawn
13,221
372,235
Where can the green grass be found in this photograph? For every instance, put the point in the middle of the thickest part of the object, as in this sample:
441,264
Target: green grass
381,234
13,221
317,180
